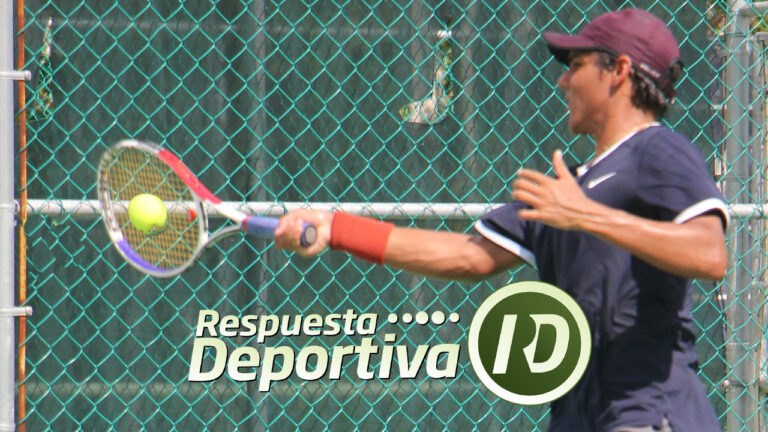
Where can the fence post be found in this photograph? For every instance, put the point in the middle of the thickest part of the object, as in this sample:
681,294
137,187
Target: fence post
744,158
7,211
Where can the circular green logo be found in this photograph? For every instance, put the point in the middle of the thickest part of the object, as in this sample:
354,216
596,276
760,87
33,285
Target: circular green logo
529,343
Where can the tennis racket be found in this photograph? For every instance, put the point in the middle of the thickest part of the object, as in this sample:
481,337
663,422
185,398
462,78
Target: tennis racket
132,167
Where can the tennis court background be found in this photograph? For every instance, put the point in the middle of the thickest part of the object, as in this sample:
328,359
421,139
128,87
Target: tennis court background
284,102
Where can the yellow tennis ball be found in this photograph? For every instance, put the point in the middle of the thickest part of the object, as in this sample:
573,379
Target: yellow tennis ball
147,213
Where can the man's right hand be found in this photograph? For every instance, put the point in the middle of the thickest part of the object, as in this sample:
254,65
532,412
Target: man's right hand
289,231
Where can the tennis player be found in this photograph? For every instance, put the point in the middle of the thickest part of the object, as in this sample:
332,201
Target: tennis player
623,233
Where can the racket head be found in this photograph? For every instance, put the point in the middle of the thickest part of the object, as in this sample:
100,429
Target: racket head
131,167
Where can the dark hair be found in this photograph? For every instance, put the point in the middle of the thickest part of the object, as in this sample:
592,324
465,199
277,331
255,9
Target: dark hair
646,94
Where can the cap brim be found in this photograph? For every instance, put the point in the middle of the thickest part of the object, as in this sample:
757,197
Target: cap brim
561,44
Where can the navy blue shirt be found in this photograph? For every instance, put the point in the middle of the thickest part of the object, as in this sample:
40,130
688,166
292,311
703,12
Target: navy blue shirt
643,365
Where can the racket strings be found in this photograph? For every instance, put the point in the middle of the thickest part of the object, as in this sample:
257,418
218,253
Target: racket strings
134,171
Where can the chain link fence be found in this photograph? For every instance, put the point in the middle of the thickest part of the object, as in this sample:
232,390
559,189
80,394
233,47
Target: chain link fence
397,102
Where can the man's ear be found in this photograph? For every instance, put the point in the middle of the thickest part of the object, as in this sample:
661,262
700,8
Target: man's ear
622,69
621,73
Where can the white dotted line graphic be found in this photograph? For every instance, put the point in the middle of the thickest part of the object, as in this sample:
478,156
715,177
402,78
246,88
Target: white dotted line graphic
437,317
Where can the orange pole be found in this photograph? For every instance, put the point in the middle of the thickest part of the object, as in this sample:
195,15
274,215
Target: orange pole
22,219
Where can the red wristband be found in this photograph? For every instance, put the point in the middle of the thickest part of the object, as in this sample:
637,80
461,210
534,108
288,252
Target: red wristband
361,236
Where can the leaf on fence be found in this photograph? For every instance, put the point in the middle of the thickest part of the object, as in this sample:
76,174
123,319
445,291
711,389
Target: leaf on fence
42,104
433,108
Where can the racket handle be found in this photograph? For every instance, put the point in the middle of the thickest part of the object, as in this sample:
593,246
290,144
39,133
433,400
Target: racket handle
264,226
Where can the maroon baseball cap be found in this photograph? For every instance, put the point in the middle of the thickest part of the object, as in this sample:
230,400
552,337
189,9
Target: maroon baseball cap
640,35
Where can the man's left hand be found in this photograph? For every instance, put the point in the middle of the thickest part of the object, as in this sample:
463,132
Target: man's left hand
557,202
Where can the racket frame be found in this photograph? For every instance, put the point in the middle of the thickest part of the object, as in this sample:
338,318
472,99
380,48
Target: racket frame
202,196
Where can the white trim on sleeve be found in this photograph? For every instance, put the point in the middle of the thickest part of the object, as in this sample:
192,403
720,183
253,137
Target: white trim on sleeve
702,207
506,243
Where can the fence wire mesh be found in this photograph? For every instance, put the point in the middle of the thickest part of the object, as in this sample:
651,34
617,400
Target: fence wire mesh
330,101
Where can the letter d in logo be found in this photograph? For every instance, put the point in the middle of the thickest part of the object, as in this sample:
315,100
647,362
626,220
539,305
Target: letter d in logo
529,343
558,353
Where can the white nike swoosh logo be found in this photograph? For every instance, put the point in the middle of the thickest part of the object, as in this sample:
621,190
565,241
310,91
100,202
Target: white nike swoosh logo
594,182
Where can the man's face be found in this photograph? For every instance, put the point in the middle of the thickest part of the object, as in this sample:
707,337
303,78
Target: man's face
586,89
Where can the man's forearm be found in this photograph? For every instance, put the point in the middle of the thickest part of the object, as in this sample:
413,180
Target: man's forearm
695,248
446,255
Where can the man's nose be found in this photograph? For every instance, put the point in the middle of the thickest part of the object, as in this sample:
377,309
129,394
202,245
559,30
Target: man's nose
564,79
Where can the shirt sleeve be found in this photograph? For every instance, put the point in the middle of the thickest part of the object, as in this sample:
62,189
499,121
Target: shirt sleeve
675,184
504,228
